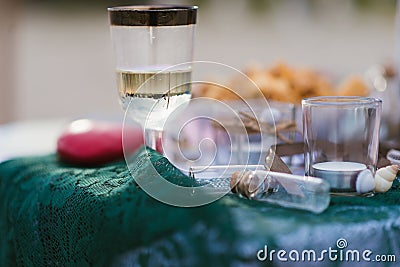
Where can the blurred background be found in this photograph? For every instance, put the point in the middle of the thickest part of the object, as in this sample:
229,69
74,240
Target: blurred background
56,55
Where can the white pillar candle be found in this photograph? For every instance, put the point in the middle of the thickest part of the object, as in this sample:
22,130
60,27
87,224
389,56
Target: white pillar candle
340,175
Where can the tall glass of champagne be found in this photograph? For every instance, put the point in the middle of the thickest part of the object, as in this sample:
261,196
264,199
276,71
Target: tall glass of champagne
153,48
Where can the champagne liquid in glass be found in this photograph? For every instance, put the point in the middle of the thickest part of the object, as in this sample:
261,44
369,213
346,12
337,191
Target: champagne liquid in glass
153,95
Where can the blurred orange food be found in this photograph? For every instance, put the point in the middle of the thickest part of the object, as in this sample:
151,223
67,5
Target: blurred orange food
286,84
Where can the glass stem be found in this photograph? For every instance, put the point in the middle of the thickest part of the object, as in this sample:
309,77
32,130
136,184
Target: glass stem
153,139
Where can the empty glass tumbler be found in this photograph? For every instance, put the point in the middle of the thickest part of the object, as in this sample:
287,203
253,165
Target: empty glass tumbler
341,136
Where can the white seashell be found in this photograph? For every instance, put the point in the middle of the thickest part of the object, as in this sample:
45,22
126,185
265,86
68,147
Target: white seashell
365,182
381,185
394,156
384,178
388,173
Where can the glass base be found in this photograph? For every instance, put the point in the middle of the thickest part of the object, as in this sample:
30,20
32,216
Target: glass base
153,139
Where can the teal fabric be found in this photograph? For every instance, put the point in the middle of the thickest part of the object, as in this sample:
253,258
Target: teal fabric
53,214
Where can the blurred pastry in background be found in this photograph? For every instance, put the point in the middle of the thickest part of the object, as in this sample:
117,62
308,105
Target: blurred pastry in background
353,86
284,83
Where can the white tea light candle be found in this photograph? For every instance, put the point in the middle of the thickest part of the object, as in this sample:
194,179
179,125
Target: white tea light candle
340,175
344,166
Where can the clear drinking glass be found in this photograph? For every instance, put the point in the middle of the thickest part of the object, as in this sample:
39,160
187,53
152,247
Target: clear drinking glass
153,48
341,136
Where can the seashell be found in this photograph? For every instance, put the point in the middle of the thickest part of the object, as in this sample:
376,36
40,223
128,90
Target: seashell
245,183
388,173
234,181
394,156
381,185
365,182
384,178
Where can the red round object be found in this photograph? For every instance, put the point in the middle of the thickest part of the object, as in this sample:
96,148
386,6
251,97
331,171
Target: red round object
87,142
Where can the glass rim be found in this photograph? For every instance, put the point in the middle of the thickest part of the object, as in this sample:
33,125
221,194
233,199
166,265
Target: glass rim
152,8
341,101
153,15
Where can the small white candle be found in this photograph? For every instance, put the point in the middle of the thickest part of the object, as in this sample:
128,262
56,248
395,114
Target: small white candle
340,175
337,166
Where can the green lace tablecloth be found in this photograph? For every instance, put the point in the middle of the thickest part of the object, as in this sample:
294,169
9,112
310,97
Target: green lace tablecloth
57,215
